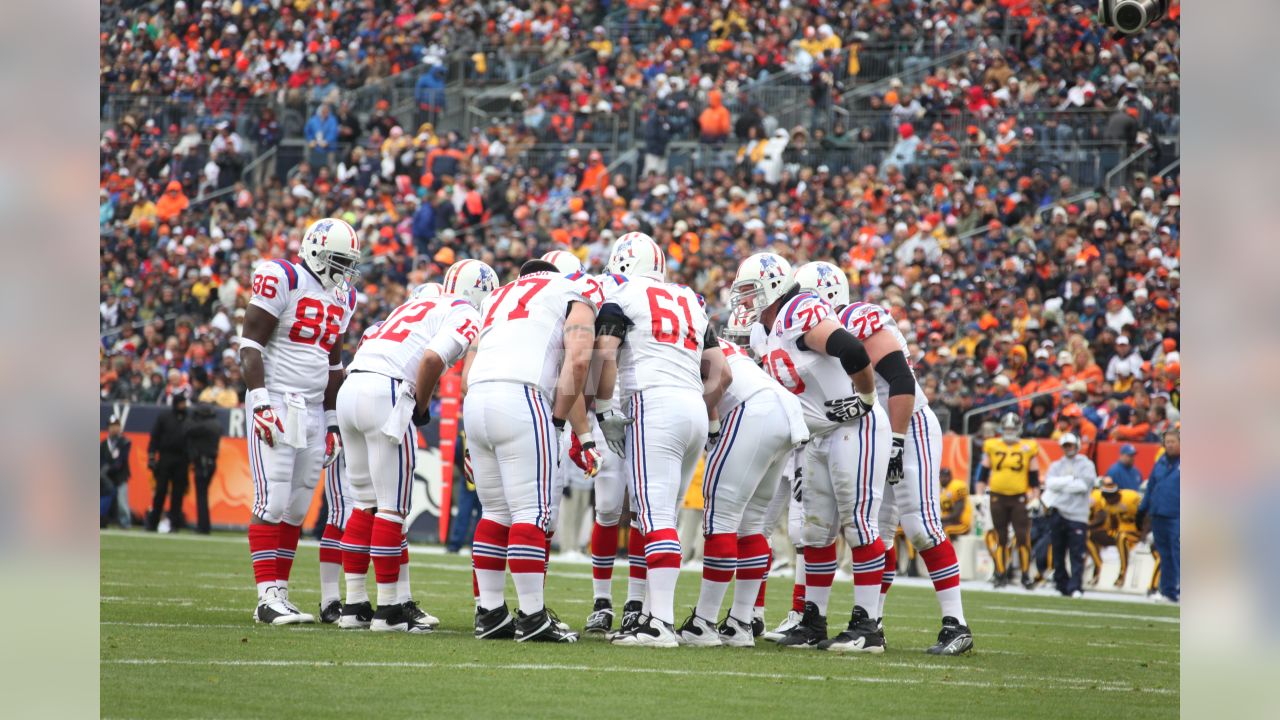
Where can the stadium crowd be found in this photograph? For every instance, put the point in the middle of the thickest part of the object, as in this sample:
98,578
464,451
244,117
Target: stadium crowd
958,198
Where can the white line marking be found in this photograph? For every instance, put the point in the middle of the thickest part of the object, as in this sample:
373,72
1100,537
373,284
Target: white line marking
1086,613
1073,684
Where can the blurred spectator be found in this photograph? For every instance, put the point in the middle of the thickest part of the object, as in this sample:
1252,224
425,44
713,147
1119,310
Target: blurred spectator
1123,471
113,462
322,136
204,434
1161,502
168,457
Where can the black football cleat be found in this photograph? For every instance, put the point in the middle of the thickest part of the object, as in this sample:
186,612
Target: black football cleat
422,616
601,618
394,618
495,624
330,613
811,630
542,626
953,639
631,611
862,636
757,626
356,616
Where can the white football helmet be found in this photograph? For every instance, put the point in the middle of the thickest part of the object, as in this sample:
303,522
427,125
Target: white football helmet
331,249
426,291
637,254
470,279
1010,427
566,262
825,280
762,279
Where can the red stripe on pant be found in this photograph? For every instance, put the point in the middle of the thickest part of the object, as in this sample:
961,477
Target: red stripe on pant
635,551
604,544
288,545
865,554
942,557
890,569
358,532
384,546
524,536
819,557
264,539
720,557
331,554
752,550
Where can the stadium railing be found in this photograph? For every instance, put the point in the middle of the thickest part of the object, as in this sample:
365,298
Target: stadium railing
1011,402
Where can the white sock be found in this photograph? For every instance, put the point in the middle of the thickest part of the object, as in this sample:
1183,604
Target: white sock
403,592
602,588
387,594
951,604
491,584
263,587
711,597
868,596
636,589
528,591
329,575
818,596
662,593
744,599
883,597
357,588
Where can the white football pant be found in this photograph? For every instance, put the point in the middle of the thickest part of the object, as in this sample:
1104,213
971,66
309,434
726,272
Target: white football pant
844,481
514,452
284,477
379,468
744,466
913,501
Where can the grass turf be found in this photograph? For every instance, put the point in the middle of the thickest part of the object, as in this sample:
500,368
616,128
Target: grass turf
177,641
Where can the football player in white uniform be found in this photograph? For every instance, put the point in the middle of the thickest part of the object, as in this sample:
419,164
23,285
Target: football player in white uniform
760,424
529,367
911,496
847,455
388,393
789,496
291,359
670,374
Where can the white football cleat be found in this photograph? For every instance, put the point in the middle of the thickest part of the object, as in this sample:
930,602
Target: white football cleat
273,610
735,633
649,632
791,620
697,632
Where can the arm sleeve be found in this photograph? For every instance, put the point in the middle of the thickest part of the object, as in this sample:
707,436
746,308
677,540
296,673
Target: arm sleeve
709,339
851,352
894,369
612,321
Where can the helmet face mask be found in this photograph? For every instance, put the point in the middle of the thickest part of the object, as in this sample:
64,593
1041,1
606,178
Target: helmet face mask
331,250
761,281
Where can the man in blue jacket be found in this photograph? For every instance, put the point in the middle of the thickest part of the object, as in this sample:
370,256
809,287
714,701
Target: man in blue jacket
1161,502
1123,471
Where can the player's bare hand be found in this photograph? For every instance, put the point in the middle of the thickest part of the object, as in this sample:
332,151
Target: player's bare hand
332,445
267,425
614,426
896,472
846,409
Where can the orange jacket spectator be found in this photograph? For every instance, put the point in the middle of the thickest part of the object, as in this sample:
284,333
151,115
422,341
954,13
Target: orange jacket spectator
596,176
172,202
715,121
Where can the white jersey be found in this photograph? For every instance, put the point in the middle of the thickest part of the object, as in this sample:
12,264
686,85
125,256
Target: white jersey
665,338
594,289
863,320
812,376
444,325
311,321
522,339
748,378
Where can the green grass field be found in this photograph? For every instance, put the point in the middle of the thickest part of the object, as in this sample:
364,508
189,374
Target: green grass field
177,641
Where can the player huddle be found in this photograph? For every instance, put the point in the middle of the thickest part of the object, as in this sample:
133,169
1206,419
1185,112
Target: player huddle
805,400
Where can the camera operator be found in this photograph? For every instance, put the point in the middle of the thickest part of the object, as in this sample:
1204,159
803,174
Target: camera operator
204,434
169,460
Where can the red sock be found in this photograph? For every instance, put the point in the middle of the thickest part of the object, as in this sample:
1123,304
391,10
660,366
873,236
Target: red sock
384,548
263,540
719,557
287,546
546,554
819,566
404,550
489,548
331,545
635,555
753,557
355,543
868,564
944,569
890,569
526,549
764,581
604,549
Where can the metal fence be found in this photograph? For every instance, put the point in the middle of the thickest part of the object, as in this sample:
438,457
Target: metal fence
242,113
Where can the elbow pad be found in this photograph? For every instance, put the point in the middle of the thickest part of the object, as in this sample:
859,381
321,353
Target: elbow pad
1033,478
611,321
895,371
851,352
984,473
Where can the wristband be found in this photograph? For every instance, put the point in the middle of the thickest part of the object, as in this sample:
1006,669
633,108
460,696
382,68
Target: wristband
246,343
603,406
899,438
558,422
713,426
331,418
868,398
335,368
585,438
256,398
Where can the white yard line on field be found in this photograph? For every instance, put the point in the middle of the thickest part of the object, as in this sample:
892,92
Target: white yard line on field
1087,613
1051,684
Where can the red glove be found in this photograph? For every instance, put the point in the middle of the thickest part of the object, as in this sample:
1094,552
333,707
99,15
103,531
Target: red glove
267,425
585,456
332,446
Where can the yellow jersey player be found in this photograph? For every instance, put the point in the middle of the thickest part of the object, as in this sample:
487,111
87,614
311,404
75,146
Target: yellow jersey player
1009,470
957,509
1113,521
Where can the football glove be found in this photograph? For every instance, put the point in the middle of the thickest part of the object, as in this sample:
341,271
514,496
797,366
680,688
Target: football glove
846,409
614,426
466,469
421,418
332,445
267,425
585,455
896,472
713,432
